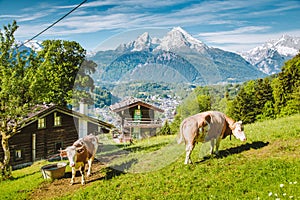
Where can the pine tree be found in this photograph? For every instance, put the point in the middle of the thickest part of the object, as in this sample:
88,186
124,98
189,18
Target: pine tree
286,87
165,130
263,95
243,107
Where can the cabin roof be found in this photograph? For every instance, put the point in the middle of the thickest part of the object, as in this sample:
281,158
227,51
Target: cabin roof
40,111
132,102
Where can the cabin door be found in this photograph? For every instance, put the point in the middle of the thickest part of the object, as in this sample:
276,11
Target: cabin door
33,147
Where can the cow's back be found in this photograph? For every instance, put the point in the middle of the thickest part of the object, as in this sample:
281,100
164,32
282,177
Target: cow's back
216,124
91,143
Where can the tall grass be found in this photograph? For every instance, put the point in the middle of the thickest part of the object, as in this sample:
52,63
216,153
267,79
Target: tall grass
23,181
267,166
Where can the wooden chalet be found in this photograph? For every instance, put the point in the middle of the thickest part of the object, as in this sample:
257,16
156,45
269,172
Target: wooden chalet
138,119
48,129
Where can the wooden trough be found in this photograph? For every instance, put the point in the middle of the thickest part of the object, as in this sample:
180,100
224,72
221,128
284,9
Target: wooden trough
54,171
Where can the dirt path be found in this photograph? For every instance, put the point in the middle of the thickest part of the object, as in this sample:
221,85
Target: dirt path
61,187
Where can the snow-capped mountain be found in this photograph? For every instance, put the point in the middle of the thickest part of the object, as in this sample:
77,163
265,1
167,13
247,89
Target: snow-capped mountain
175,40
176,53
270,57
33,45
179,39
143,43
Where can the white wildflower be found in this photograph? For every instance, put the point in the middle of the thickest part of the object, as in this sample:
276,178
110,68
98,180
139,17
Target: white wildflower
281,185
295,182
270,194
291,197
275,195
290,182
277,199
284,194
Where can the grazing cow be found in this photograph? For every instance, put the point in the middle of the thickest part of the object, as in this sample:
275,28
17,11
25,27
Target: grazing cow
208,126
82,151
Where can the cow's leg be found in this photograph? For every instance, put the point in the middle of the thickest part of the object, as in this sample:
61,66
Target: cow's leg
189,148
217,145
212,145
82,174
90,161
73,175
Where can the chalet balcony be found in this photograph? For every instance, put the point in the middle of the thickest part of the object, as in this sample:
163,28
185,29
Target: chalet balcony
142,123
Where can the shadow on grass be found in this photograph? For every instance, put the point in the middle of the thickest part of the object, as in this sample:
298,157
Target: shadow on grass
110,172
115,170
107,155
236,150
146,148
12,178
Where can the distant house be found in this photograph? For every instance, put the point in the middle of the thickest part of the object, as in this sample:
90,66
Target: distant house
48,129
138,119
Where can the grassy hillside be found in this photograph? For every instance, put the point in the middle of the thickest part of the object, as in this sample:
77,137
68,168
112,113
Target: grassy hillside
267,166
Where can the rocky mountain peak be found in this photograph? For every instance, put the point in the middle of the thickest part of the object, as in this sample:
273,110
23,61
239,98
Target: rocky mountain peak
142,42
178,38
270,56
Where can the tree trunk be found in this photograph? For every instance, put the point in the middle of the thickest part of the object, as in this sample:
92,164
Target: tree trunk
5,168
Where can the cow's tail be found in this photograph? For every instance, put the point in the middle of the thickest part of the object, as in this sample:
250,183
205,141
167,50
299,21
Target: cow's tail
181,138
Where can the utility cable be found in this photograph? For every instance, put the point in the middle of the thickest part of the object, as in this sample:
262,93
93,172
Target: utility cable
52,24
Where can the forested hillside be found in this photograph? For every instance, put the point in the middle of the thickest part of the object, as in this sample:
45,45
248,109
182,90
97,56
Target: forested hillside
268,98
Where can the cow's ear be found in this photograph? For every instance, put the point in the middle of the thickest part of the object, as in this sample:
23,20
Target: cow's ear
62,152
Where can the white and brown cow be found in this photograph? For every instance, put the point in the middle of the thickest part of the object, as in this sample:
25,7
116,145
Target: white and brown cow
82,151
208,126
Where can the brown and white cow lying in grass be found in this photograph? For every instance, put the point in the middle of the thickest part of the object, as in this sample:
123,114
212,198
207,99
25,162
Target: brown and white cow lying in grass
208,126
82,151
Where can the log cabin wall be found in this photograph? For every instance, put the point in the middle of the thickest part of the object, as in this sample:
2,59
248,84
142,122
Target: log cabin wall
33,143
59,136
47,140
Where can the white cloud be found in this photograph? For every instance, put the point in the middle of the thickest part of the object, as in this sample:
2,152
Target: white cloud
247,29
235,22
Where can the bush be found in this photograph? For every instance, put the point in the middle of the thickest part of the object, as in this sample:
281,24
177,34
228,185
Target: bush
165,130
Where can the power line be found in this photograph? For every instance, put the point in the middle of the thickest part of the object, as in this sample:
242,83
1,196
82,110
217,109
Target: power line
52,24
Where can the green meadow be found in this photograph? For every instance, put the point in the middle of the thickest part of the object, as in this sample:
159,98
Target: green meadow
266,166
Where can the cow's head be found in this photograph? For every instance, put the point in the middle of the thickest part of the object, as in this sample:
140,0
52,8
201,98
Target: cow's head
238,131
72,152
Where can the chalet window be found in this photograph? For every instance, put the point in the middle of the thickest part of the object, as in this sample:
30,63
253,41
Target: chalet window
42,123
18,154
57,120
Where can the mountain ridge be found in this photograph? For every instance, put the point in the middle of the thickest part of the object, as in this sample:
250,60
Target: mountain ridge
197,62
271,56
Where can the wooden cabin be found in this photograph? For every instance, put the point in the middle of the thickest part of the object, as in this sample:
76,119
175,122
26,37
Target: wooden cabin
138,119
48,129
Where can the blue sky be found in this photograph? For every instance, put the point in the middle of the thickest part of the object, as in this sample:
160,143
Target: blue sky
235,25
